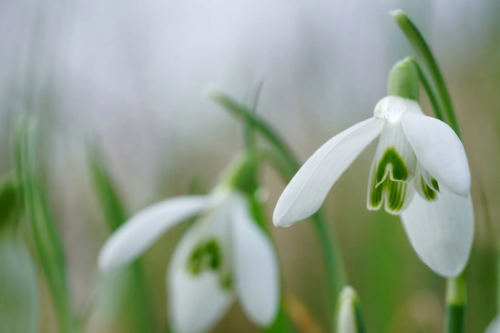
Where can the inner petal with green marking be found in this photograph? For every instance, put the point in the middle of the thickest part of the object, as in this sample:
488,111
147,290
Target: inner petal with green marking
426,185
395,189
208,256
392,163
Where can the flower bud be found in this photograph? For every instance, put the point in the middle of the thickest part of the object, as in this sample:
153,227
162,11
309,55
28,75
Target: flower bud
349,317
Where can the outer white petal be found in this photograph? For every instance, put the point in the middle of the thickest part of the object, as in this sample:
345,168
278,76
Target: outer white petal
196,303
441,231
136,235
255,267
494,326
439,150
307,190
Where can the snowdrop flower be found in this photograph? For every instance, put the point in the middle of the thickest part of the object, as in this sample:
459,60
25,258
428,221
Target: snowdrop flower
420,171
494,326
223,255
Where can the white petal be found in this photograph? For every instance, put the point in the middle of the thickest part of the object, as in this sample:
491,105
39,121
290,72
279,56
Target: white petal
307,190
494,326
136,235
392,108
439,150
255,267
441,231
196,302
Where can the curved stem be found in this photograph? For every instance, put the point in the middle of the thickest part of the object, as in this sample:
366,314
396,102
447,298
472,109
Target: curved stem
328,241
429,64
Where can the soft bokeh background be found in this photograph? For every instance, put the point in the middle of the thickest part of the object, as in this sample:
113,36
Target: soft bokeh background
135,74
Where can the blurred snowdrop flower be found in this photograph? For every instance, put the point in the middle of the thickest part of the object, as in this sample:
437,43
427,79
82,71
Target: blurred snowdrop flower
494,326
223,255
415,154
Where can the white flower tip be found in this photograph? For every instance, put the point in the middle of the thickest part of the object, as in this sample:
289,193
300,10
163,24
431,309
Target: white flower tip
280,220
211,91
348,293
396,12
107,261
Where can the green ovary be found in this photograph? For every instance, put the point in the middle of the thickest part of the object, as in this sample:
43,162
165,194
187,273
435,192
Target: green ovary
394,192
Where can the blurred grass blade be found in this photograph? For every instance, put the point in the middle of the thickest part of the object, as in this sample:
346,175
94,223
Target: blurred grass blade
18,280
131,286
112,207
456,304
333,258
48,243
429,65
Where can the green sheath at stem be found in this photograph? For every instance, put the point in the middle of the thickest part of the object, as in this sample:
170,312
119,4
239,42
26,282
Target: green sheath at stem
289,167
456,304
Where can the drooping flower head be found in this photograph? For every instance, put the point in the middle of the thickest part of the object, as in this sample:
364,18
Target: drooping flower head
420,170
223,255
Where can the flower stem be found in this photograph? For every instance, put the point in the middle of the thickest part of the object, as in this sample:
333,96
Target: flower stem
456,304
429,65
290,166
435,87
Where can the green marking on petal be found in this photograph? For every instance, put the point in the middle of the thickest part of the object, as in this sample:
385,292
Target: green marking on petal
391,189
376,194
226,282
396,194
393,192
399,170
435,184
429,193
207,255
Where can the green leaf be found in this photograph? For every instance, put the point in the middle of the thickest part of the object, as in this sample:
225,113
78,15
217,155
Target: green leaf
128,294
48,243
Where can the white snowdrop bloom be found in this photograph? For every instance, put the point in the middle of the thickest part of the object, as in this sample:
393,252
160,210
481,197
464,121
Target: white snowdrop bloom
420,171
224,255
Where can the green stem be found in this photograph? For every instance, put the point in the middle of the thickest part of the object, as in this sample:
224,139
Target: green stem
438,112
456,291
430,65
456,304
329,244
